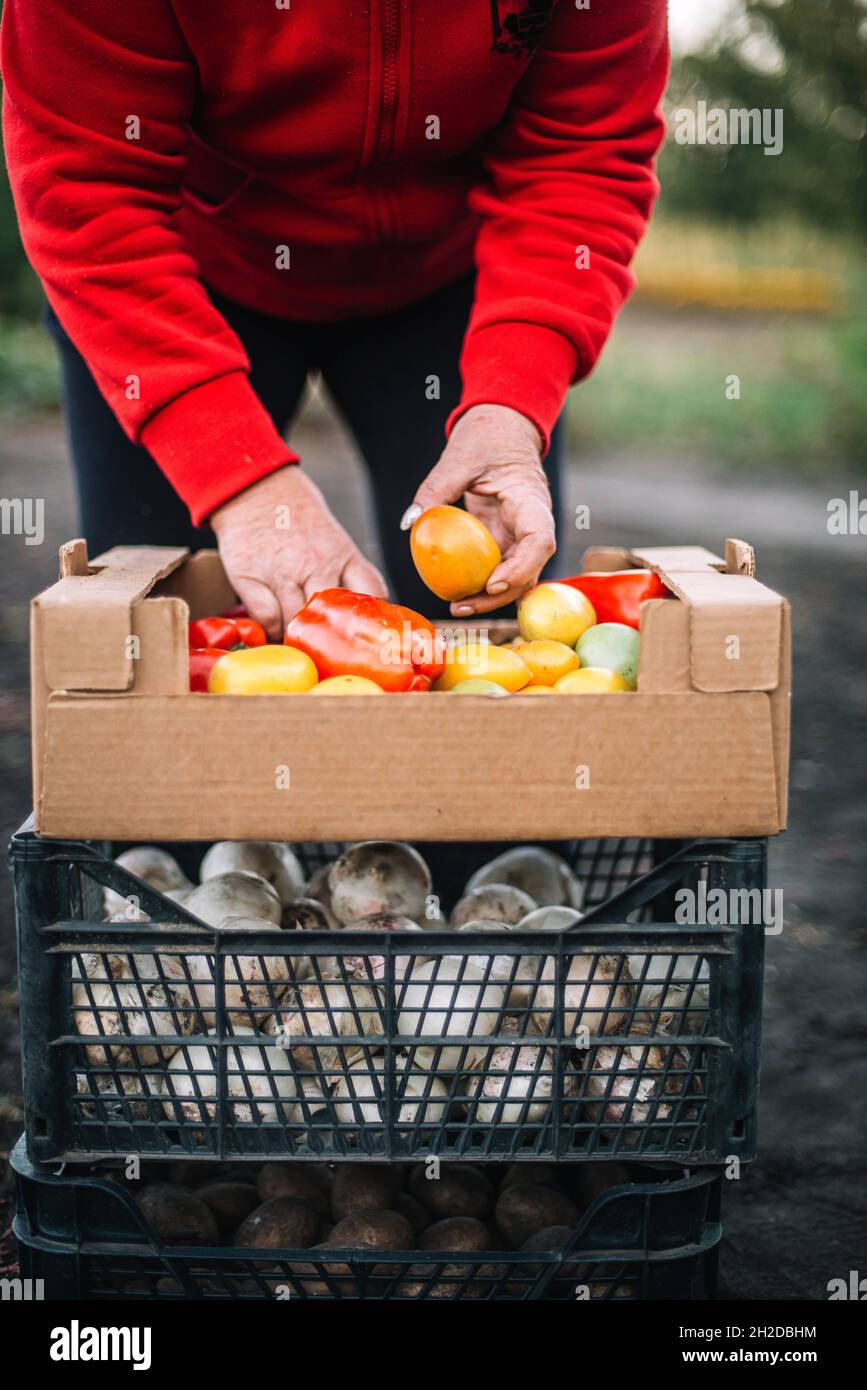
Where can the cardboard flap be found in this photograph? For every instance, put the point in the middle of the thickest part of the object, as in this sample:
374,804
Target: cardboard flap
86,617
735,623
671,559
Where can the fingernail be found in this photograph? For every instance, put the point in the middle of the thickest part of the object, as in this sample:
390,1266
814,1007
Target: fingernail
498,588
410,515
463,609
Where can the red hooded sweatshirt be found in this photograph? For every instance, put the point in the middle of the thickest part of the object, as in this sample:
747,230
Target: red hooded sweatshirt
319,159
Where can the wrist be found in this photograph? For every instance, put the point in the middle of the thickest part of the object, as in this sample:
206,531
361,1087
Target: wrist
508,423
279,486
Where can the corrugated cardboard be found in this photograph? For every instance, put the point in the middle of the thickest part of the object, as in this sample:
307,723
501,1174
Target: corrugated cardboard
701,749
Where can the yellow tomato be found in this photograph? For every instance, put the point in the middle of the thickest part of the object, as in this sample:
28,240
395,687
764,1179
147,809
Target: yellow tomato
453,551
347,685
262,671
548,661
556,613
590,680
483,661
538,690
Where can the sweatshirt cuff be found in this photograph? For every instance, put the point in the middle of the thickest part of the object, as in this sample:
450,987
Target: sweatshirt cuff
522,365
214,441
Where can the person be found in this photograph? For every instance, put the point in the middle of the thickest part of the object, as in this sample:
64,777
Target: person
432,203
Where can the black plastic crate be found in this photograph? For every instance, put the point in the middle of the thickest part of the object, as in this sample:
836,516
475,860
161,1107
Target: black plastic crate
86,1238
666,1066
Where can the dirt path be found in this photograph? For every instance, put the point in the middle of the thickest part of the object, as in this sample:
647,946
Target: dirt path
799,1217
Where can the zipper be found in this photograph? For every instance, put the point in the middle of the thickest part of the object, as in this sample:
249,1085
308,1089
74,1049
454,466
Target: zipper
390,62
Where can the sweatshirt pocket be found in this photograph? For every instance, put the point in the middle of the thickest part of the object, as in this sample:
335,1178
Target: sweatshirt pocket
212,181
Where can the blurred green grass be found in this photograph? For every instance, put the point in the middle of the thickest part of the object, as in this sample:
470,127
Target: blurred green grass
661,384
29,377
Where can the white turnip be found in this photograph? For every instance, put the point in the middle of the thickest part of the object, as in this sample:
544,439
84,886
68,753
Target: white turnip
254,984
444,999
137,996
237,894
260,1086
494,902
513,1083
313,1018
379,876
544,875
272,860
420,1098
598,992
156,867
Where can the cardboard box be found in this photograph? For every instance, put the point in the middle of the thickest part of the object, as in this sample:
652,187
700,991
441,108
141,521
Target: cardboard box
122,750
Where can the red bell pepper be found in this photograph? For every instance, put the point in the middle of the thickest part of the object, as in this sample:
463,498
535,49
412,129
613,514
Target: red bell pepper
201,661
226,633
348,634
616,595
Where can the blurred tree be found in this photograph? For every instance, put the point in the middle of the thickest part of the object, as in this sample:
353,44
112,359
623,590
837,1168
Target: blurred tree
19,289
808,58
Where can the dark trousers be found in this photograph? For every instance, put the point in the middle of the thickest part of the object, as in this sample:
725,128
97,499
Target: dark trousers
376,370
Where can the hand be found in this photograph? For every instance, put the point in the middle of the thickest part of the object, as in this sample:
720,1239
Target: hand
280,544
493,459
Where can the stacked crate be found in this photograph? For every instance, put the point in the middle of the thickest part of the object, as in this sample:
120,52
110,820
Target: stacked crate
622,1048
660,1092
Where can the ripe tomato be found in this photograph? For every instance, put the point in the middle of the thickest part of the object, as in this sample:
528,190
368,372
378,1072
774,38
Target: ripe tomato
453,551
252,634
213,632
201,661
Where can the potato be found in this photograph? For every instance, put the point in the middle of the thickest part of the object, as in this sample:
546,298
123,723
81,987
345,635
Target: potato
539,1174
457,1233
177,1216
314,1281
284,1223
549,1241
231,1203
415,1213
363,1187
589,1180
375,1230
295,1180
525,1209
458,1191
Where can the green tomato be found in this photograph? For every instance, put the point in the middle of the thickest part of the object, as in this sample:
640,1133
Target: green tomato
612,645
478,687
